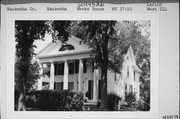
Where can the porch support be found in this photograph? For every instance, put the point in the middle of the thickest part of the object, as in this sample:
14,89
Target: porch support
95,85
66,73
40,79
52,76
80,75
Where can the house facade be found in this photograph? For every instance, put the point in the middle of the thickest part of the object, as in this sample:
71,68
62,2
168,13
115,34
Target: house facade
70,67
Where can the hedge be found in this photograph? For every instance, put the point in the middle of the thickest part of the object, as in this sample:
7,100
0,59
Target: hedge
51,100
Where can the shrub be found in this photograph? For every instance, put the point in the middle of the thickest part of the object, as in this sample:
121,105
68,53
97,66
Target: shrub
133,105
50,100
113,101
130,103
130,99
143,105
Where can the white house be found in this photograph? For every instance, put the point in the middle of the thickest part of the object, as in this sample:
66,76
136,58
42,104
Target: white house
70,70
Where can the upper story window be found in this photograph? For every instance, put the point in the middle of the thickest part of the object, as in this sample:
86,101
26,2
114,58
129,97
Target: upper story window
59,68
126,87
92,66
115,76
85,66
71,68
127,71
74,67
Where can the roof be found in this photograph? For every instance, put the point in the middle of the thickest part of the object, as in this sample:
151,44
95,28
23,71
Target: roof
132,58
52,49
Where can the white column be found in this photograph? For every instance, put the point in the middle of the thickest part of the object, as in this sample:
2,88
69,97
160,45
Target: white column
40,79
95,85
66,73
80,75
52,76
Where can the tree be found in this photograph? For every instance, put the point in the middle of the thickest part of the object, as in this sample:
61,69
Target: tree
110,41
97,35
26,32
26,71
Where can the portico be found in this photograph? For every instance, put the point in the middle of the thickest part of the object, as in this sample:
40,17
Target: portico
71,74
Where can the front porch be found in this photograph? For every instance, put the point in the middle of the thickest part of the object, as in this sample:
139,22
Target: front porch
72,74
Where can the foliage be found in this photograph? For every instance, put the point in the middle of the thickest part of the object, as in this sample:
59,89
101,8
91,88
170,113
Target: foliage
145,95
16,97
134,105
97,35
32,76
50,100
113,101
26,32
130,99
59,30
110,40
131,103
26,71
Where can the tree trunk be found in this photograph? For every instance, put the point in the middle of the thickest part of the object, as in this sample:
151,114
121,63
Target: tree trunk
104,68
22,98
104,90
21,103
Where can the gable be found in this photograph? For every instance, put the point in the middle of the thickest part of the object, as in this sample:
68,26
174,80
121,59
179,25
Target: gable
73,46
130,55
130,59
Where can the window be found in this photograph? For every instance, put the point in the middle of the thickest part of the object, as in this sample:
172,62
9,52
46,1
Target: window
46,70
115,76
131,88
71,68
58,85
59,68
125,87
66,47
70,85
90,89
134,76
85,66
76,66
127,71
125,90
92,66
45,85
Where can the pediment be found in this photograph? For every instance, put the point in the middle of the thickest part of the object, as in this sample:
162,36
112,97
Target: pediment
57,48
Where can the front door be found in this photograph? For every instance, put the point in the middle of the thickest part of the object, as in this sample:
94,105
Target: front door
99,89
90,89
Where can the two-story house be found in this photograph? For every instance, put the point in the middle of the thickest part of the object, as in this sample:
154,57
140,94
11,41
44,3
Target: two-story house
69,67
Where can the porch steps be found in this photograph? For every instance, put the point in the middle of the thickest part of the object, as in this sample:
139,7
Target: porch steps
90,106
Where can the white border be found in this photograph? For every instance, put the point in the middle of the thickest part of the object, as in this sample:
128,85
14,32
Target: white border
10,56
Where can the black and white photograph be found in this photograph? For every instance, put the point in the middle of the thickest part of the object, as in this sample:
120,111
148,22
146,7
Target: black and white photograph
89,59
82,65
